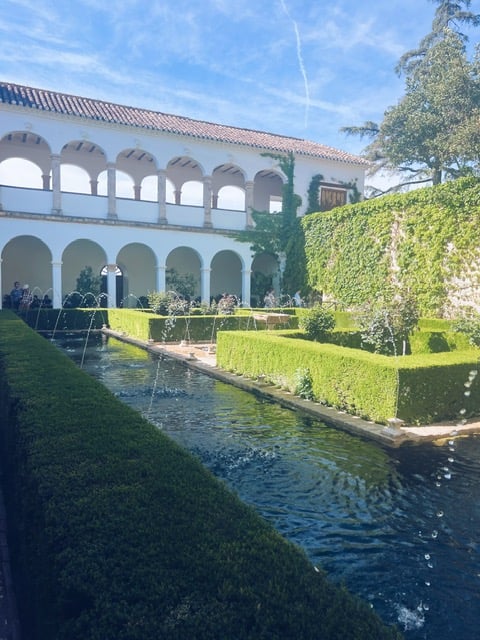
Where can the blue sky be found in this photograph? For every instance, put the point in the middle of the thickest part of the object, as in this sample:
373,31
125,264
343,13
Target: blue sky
303,68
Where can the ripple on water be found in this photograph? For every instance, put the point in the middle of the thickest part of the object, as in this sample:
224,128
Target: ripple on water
375,519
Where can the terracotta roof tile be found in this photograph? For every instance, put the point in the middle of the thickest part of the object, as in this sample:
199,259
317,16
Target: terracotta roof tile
120,114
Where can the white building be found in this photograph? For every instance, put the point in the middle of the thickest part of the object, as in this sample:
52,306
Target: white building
133,193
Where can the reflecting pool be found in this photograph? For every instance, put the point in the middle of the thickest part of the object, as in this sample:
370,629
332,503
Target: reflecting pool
399,527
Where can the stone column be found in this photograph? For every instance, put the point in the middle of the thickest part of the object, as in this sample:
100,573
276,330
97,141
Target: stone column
178,196
215,201
137,191
248,203
45,182
56,186
162,196
111,190
57,285
205,285
94,187
207,201
246,286
161,277
111,285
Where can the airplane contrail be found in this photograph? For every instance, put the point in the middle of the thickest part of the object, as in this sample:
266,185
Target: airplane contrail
300,61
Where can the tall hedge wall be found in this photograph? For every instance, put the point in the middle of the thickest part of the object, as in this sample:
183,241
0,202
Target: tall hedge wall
425,241
116,533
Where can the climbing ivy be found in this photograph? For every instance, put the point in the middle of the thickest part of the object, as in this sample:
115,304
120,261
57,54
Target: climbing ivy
281,234
313,192
424,242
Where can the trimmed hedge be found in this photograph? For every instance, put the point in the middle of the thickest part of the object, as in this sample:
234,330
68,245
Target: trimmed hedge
418,389
145,325
117,533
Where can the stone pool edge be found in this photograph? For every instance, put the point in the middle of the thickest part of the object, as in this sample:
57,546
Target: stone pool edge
200,357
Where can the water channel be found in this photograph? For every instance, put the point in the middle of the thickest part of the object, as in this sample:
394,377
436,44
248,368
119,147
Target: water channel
399,527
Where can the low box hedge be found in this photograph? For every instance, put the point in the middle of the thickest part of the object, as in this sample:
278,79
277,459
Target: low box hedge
419,389
118,533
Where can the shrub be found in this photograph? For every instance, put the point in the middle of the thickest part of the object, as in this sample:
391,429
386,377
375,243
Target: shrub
317,323
470,326
386,326
168,304
303,384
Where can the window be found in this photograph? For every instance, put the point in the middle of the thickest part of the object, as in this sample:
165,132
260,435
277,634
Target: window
332,197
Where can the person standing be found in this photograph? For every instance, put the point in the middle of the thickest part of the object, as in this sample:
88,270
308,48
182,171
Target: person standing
26,299
298,299
16,295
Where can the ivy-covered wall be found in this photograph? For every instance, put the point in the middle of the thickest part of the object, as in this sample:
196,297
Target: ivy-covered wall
425,242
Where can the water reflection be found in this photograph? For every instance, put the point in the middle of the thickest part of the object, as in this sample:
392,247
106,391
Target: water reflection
398,527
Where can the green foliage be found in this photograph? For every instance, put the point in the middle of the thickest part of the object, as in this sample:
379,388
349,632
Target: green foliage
259,286
442,93
87,290
470,326
117,532
421,242
313,193
432,132
167,303
199,327
418,389
226,305
266,235
303,384
67,319
388,325
448,15
182,284
317,322
88,282
281,234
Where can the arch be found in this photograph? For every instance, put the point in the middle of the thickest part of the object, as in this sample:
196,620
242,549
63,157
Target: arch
227,174
76,256
123,184
169,191
119,286
231,197
137,163
74,178
19,172
29,146
183,169
184,262
265,276
267,191
138,264
87,155
149,188
226,274
192,193
28,260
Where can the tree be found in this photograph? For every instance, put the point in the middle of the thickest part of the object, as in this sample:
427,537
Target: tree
418,135
87,290
449,15
425,136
